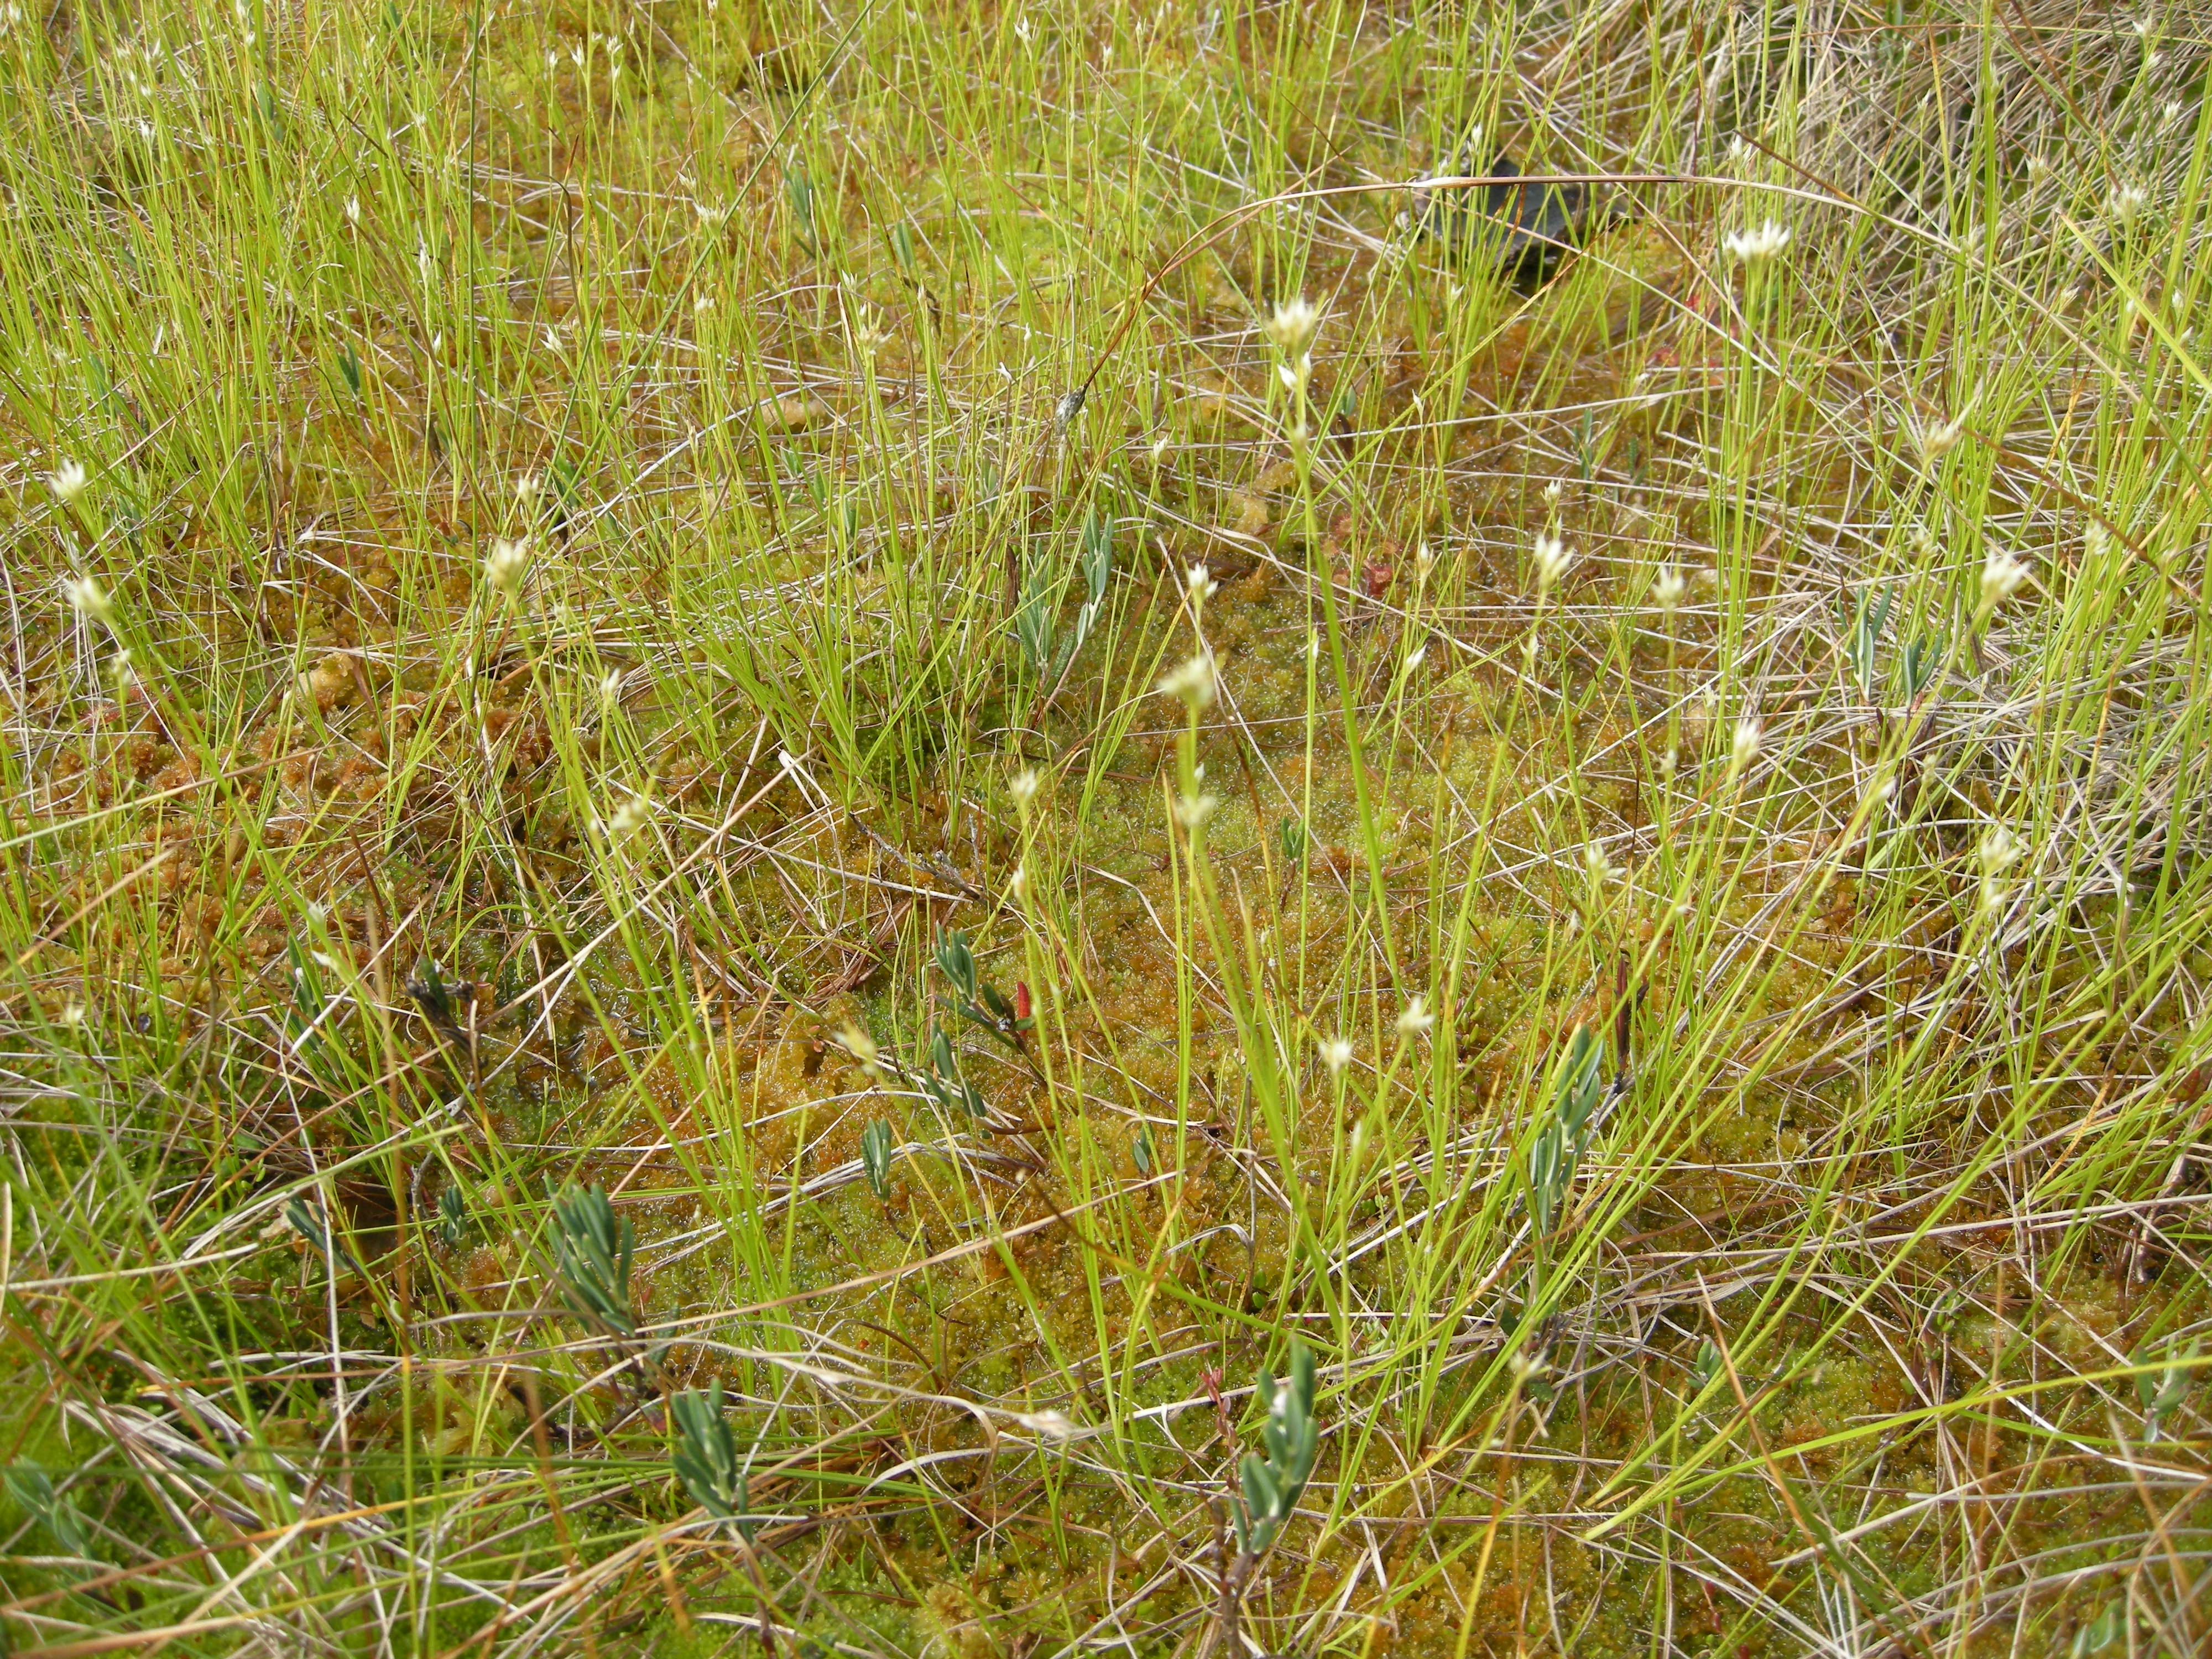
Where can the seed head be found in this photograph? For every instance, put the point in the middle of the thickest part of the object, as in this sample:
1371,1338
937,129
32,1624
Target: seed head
67,481
1756,247
1293,326
505,564
1553,560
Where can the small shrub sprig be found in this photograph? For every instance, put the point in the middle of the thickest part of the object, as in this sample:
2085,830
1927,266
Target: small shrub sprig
978,1001
1267,1493
1272,1485
1560,1143
705,1457
593,1250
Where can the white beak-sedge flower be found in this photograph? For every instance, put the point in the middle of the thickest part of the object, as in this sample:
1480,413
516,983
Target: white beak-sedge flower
1194,682
1553,560
1997,854
504,565
1755,247
87,598
67,481
2001,576
1293,326
1743,747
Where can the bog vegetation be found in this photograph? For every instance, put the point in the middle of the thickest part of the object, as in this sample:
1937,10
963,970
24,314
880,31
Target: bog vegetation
936,829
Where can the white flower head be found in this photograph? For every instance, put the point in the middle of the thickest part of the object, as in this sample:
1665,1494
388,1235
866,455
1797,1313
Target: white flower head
1553,490
1416,1020
527,488
2001,576
1048,1425
1599,868
1018,885
2127,204
1022,786
1756,247
1293,326
1667,588
1553,560
611,685
87,598
868,332
1192,812
1934,442
1416,657
1996,854
67,481
1202,586
1336,1054
1743,746
629,817
1194,682
505,564
862,1048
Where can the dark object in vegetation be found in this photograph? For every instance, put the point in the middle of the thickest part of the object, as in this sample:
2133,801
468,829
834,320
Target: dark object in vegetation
1518,231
